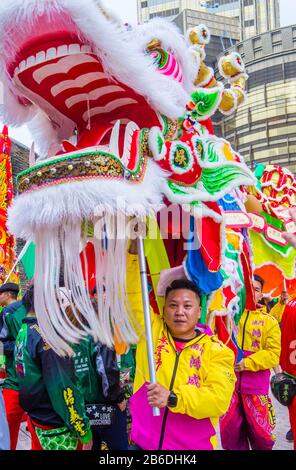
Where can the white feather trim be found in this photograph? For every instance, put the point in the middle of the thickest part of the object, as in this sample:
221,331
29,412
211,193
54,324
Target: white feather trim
171,40
46,137
12,112
75,201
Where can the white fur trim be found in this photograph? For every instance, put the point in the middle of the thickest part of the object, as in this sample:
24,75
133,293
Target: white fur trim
12,112
75,201
198,31
154,134
172,40
241,70
235,105
208,79
58,248
232,80
46,137
207,212
198,55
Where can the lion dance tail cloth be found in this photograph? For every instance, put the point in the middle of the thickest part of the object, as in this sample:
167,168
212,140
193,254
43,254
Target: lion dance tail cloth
274,258
121,119
7,242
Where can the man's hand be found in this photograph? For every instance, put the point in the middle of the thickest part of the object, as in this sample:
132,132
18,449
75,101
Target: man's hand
139,230
87,446
122,405
240,366
133,249
157,395
284,298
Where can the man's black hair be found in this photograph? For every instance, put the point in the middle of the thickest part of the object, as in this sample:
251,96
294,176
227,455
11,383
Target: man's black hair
12,294
28,299
182,284
259,279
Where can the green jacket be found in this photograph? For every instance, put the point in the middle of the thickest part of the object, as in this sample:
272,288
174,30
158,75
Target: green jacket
49,390
98,373
10,324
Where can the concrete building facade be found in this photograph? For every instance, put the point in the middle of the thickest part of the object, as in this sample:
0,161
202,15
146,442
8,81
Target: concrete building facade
253,16
225,31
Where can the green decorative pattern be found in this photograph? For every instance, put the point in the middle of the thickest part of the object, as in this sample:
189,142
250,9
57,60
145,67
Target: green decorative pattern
160,143
199,149
206,102
259,173
84,165
176,189
212,153
56,439
278,224
218,179
161,57
180,158
242,294
165,124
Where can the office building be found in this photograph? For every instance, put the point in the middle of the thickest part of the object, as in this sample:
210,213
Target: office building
264,129
254,16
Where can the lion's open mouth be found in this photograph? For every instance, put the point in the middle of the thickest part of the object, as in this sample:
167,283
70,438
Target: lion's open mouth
59,70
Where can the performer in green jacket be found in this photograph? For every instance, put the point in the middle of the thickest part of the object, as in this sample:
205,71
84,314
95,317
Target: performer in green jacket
49,390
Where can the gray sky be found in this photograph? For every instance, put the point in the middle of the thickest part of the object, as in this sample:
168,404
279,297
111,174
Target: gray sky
127,9
288,12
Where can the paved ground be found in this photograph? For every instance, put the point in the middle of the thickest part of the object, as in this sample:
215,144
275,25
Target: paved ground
283,425
281,430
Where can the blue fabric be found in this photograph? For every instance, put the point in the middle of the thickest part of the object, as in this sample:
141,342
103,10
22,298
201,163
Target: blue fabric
197,270
115,436
240,354
4,431
228,203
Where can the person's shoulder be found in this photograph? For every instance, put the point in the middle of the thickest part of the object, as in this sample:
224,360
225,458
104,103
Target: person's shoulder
36,338
217,348
34,342
215,344
12,307
270,318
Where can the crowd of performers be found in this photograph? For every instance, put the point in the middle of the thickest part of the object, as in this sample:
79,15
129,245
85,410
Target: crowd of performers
83,401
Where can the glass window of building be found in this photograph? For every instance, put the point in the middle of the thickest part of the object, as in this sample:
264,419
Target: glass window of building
249,23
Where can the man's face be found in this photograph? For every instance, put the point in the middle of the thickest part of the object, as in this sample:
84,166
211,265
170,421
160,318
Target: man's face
258,291
4,299
181,313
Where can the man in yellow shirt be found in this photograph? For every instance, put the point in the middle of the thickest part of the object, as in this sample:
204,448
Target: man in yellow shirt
194,370
278,310
250,420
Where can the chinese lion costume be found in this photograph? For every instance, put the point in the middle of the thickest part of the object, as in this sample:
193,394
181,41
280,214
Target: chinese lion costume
121,121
